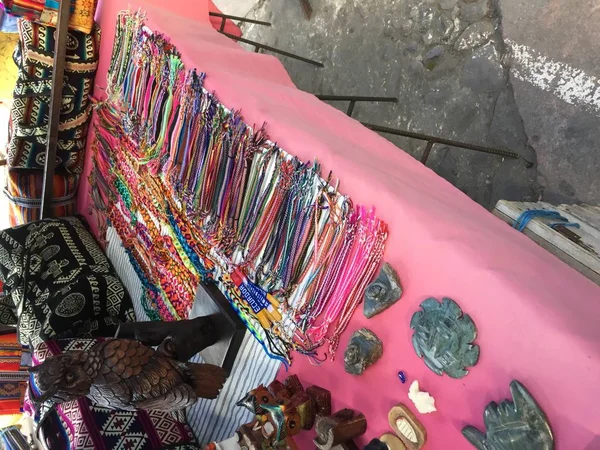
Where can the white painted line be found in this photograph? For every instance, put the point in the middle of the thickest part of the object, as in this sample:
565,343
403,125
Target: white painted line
569,83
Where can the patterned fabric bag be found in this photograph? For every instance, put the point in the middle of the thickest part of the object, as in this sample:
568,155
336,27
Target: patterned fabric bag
29,9
46,12
82,14
60,282
79,424
24,193
13,374
30,109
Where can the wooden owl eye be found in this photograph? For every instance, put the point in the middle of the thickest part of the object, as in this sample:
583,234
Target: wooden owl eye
265,399
70,377
292,424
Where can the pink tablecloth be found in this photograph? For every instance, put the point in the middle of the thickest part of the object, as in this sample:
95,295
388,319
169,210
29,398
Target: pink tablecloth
538,319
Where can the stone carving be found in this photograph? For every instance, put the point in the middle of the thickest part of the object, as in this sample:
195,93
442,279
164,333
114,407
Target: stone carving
383,292
339,428
517,425
423,401
408,428
444,337
364,349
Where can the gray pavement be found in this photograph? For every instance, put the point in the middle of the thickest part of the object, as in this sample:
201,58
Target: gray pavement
517,74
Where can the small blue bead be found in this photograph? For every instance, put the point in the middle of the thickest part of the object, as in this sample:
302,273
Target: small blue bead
402,377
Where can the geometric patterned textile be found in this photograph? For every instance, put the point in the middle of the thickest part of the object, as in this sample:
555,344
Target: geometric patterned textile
24,194
29,115
31,104
80,425
59,282
13,373
210,420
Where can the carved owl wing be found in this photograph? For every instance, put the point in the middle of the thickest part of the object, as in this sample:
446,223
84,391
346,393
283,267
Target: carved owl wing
136,376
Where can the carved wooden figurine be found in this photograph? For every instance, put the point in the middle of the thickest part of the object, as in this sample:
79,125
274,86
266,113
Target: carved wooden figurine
281,422
293,384
250,437
310,403
339,428
255,398
126,374
282,410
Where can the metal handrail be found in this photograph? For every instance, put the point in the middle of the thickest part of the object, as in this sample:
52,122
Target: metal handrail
258,46
224,18
353,99
431,140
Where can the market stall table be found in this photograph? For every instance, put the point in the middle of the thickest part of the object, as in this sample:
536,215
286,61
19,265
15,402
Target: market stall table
536,317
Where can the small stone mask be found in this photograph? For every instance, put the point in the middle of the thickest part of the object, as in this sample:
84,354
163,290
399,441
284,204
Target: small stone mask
383,292
364,349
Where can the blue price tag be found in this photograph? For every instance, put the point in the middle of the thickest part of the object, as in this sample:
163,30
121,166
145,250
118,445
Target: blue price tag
255,296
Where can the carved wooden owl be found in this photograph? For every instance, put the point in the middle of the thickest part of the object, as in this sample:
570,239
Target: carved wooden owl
125,374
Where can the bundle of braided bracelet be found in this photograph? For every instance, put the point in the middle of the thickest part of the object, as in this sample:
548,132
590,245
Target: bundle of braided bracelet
198,195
